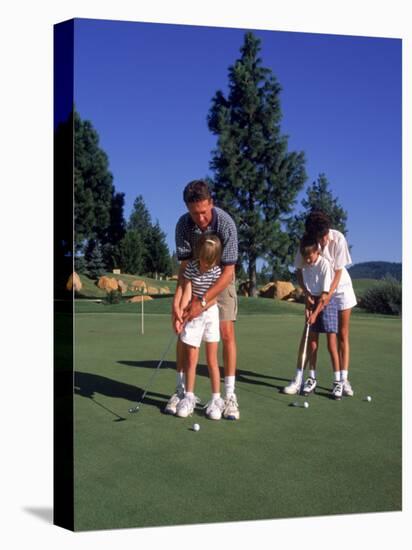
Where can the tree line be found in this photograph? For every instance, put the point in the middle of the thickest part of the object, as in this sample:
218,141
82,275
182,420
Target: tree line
256,179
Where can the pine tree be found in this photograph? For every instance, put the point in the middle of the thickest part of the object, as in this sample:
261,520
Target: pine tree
93,186
94,259
116,232
158,256
141,222
256,179
131,251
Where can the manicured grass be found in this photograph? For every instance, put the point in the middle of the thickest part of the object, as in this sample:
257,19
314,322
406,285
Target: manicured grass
149,469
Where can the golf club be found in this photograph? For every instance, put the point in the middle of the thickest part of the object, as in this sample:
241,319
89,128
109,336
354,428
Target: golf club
137,407
303,358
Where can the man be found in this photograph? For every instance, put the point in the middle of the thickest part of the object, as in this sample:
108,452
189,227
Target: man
203,217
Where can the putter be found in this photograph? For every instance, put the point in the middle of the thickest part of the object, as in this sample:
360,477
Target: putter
303,359
156,371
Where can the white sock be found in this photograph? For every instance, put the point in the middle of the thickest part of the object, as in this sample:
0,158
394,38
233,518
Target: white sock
229,385
215,395
180,380
298,376
336,375
189,394
312,374
343,375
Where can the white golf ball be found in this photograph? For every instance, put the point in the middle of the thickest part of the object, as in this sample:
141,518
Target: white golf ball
196,427
368,398
306,404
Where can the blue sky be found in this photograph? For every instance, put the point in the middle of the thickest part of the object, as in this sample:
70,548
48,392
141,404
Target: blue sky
147,89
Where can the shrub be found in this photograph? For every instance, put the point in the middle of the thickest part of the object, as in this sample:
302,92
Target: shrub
113,297
385,297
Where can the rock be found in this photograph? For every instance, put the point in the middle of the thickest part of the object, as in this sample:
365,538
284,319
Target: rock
164,290
139,285
277,289
152,290
244,288
74,282
295,296
122,286
107,283
139,299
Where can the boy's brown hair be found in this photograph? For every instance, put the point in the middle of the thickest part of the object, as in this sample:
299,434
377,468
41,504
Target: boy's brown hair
308,244
209,249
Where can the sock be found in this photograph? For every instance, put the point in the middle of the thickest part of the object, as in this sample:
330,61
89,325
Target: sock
229,385
180,380
312,374
189,394
343,375
215,395
298,376
336,375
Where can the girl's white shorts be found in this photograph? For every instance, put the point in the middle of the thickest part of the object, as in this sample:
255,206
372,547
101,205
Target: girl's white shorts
203,328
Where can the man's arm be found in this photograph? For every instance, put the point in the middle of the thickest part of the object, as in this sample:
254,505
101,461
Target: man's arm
176,306
195,308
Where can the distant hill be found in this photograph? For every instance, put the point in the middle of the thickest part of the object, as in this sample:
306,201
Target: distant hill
376,270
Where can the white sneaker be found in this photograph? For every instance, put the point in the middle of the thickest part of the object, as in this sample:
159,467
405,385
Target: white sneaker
337,390
309,386
173,402
347,389
214,408
293,387
186,406
231,410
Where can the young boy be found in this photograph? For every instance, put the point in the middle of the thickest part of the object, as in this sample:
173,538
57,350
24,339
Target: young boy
317,274
200,275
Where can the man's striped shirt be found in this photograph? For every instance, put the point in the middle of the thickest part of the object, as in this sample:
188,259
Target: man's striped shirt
201,282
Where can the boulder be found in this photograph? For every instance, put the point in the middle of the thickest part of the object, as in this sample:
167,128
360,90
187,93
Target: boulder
74,282
139,299
164,290
277,289
244,288
107,283
122,286
295,296
139,285
152,290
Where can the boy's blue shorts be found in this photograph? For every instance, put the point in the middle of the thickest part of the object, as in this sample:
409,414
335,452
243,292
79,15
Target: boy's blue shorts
327,320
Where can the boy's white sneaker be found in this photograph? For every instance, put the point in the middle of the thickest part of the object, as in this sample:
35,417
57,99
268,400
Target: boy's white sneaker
293,387
186,406
337,390
173,402
347,389
231,410
309,386
214,408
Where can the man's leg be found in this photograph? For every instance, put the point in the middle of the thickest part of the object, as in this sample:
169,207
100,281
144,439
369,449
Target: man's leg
227,332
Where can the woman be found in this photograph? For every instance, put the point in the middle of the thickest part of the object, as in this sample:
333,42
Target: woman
333,247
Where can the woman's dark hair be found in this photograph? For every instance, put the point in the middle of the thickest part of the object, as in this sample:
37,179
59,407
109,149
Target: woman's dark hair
196,191
308,244
318,224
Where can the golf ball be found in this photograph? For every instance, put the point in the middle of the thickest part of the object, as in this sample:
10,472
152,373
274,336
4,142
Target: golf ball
306,404
368,398
196,427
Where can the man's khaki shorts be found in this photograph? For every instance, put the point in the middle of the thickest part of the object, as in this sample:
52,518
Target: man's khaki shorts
227,303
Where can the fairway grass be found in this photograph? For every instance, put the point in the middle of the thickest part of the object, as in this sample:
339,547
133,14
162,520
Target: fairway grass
150,469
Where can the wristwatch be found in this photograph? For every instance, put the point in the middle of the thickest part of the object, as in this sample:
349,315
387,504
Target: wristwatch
202,302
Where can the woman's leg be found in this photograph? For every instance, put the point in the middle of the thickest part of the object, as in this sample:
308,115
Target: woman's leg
333,351
343,339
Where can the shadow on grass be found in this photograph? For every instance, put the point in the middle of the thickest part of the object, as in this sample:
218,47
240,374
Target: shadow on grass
89,385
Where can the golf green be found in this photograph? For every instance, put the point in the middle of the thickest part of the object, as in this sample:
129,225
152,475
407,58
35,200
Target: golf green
150,469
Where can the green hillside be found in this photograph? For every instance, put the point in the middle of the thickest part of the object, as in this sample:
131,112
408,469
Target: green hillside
376,270
91,290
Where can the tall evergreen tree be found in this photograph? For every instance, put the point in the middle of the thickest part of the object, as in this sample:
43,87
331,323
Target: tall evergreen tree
141,222
93,186
131,251
158,257
256,179
116,231
94,259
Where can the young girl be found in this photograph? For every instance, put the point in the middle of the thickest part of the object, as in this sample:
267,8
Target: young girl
200,275
317,275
